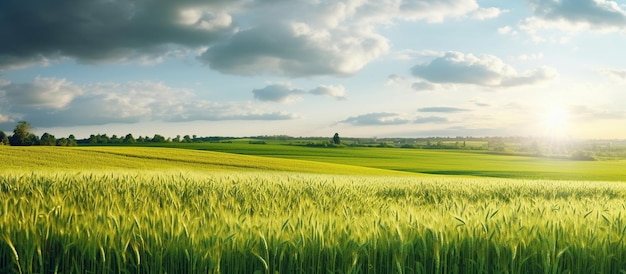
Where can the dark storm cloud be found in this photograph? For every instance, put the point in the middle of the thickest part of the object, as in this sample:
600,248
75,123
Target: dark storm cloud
101,30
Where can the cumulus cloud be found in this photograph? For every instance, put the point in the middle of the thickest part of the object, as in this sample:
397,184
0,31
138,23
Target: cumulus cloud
442,109
438,11
42,93
296,49
103,103
242,37
105,31
277,93
377,119
284,93
335,91
482,70
600,15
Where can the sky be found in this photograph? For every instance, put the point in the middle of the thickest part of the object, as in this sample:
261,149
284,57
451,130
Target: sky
361,68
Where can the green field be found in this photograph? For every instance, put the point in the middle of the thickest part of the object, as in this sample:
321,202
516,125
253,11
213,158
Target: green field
444,162
169,210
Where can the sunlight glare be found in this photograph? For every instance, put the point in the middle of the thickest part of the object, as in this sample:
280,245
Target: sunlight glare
555,120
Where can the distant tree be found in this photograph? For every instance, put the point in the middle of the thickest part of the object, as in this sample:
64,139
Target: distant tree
62,142
48,140
71,141
22,135
115,140
4,139
158,139
177,139
93,139
129,139
336,139
187,139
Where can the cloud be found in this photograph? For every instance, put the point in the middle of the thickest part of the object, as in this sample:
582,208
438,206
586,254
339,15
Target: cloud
377,119
438,11
338,92
482,70
425,86
430,119
277,93
241,37
587,113
104,103
107,31
5,119
285,93
442,109
486,13
616,74
296,50
43,93
599,15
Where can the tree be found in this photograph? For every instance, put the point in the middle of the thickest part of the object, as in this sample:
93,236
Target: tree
62,142
47,140
71,141
336,139
22,136
4,139
129,139
158,139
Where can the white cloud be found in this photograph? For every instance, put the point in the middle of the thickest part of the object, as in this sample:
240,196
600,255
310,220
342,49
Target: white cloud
435,11
277,93
482,70
377,119
486,13
285,93
615,74
5,119
296,49
132,102
336,91
43,93
600,15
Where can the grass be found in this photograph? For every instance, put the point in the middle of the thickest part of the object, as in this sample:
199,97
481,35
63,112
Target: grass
161,159
114,222
445,162
166,210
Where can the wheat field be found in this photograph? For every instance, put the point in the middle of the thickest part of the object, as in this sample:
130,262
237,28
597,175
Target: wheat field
285,222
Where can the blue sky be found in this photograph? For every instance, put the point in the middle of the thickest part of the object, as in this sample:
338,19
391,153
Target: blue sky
401,68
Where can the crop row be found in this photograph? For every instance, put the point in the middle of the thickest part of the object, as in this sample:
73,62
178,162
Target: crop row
127,222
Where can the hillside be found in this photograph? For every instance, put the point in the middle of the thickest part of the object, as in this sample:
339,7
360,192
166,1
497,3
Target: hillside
163,159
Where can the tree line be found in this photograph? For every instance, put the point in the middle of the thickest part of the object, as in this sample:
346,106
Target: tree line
23,136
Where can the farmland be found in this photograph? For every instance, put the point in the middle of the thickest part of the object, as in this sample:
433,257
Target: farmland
143,209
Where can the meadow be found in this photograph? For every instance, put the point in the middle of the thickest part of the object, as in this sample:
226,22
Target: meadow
167,210
423,161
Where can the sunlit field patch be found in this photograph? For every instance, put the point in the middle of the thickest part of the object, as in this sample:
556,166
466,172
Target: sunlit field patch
244,220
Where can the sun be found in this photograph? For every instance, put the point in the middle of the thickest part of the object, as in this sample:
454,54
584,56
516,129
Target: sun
555,120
